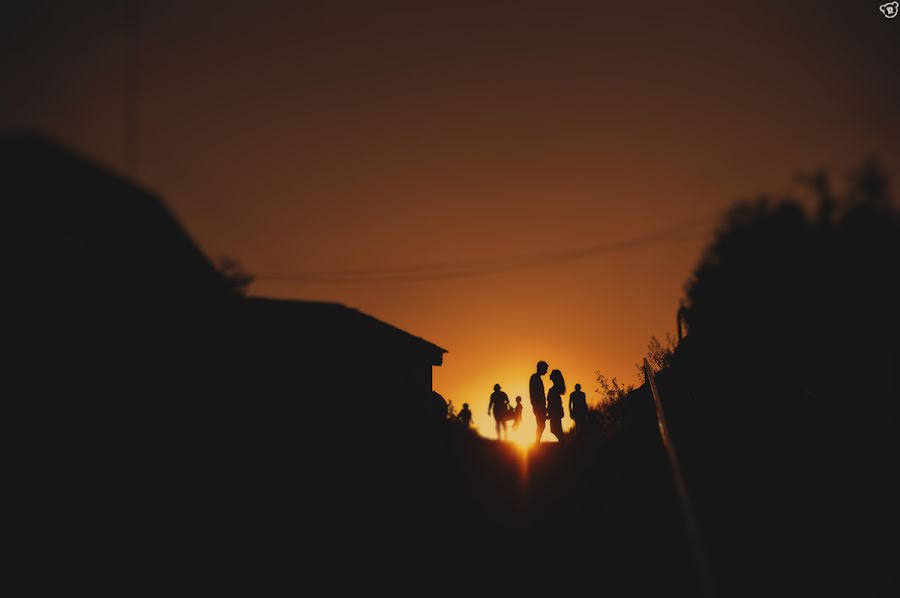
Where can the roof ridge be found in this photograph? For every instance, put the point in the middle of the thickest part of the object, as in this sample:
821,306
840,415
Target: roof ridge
353,310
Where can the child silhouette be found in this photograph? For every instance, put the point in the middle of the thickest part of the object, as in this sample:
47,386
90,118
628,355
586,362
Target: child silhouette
517,413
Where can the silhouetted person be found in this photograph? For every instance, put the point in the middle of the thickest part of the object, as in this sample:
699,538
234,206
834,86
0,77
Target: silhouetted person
538,399
578,409
465,416
500,404
517,413
554,404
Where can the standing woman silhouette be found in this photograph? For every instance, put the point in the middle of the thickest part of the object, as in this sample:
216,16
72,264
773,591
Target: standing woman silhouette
554,404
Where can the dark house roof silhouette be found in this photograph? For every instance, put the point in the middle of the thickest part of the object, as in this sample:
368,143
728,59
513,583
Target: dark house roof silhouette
329,327
144,378
82,229
89,239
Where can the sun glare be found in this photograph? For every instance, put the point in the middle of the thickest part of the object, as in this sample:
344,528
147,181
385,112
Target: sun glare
522,438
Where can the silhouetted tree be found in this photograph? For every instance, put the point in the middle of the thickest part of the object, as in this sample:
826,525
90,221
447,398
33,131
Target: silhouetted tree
783,396
802,291
451,411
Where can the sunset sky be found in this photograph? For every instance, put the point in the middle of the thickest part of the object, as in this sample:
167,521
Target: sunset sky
366,142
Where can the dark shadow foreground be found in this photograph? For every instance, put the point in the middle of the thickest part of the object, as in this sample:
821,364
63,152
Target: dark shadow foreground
167,436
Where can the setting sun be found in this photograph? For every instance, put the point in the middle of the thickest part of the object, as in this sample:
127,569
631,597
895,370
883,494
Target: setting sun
522,438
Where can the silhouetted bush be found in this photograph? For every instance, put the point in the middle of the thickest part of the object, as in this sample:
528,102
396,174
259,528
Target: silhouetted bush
235,276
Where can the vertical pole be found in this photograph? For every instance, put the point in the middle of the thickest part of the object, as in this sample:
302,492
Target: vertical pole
687,508
132,85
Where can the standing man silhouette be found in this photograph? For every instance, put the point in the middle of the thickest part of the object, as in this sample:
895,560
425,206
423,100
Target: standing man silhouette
578,409
538,399
500,404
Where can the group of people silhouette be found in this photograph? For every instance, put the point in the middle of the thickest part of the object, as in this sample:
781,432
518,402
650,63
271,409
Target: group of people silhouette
545,406
503,411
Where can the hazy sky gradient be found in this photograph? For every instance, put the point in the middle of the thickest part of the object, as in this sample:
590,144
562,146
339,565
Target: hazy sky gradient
319,136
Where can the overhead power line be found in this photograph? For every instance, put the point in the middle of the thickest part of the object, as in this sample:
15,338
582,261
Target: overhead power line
422,272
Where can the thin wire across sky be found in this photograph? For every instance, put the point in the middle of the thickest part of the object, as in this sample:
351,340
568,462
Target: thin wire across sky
434,271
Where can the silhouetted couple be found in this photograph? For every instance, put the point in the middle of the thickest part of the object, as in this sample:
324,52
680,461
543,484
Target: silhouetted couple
504,412
547,406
